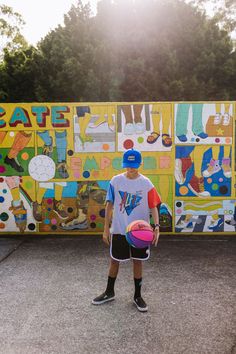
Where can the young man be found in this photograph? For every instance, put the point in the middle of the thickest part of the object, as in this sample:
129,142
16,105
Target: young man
131,196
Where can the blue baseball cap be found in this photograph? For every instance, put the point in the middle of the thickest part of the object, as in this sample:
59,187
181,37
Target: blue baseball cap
132,158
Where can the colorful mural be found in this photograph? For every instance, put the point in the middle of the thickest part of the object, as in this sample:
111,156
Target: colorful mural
56,161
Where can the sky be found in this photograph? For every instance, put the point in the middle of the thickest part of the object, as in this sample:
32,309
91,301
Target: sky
41,16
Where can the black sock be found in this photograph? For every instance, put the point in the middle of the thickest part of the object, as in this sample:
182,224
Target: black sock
110,285
138,284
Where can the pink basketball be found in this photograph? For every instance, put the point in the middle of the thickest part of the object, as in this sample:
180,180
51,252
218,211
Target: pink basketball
139,234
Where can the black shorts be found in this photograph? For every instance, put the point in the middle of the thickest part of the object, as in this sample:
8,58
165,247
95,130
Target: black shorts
120,250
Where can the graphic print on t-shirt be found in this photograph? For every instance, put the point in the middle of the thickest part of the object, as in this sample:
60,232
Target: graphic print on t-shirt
129,201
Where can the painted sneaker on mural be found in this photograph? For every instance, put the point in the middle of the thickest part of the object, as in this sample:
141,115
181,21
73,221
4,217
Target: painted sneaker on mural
231,222
226,119
139,128
78,223
14,164
226,167
213,167
216,224
182,166
196,185
184,225
129,129
59,209
20,215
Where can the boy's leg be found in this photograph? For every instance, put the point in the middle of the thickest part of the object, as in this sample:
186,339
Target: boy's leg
138,300
109,293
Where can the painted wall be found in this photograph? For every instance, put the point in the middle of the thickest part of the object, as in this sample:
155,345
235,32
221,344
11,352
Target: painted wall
56,160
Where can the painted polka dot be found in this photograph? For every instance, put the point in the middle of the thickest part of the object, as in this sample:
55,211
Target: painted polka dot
0,156
178,204
49,201
4,191
29,185
223,190
31,227
231,212
25,156
93,225
1,180
2,169
221,180
70,210
140,140
86,174
106,147
228,140
217,140
54,221
2,199
192,139
54,227
70,152
11,134
197,140
100,225
209,180
128,144
215,187
4,216
179,211
49,209
95,174
46,221
2,225
183,190
93,217
102,213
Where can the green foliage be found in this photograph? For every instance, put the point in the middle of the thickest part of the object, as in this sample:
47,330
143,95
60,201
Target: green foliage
130,51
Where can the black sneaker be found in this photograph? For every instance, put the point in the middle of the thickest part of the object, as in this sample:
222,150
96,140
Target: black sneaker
103,298
141,304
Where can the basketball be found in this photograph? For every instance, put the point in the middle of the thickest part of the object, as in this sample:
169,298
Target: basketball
139,234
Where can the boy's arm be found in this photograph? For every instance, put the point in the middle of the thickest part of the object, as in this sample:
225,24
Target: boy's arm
108,217
155,217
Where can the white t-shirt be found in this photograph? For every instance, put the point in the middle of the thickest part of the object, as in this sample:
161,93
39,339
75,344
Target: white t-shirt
132,200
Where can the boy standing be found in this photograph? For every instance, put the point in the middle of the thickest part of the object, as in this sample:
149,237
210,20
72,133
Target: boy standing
131,196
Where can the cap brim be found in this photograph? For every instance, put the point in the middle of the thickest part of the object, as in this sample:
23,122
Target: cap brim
130,165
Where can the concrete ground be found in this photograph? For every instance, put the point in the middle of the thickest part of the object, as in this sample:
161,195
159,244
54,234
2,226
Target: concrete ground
47,284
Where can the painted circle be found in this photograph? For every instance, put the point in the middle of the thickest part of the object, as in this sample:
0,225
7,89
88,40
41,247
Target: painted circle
223,190
128,144
11,134
215,187
221,179
93,225
42,168
197,140
1,179
25,156
49,201
54,227
31,227
183,190
93,217
2,169
0,156
70,152
4,191
53,221
2,199
2,225
192,139
178,211
228,140
70,210
231,212
102,213
140,140
178,204
4,216
86,174
209,180
95,174
217,140
46,221
49,209
100,225
106,147
29,185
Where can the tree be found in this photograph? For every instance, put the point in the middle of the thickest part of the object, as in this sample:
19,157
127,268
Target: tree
11,24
